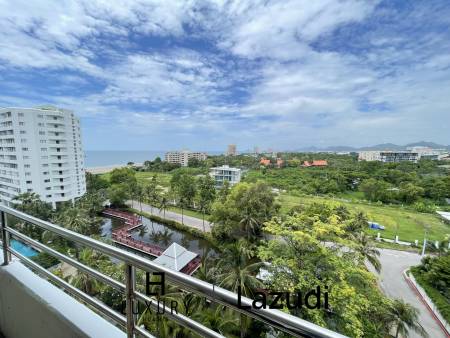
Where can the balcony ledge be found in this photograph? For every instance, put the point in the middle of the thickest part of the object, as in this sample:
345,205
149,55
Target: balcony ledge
30,306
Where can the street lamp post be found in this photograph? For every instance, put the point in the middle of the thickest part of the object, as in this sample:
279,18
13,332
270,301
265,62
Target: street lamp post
424,241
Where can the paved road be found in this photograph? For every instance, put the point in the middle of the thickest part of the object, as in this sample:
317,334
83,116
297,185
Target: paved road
394,262
187,220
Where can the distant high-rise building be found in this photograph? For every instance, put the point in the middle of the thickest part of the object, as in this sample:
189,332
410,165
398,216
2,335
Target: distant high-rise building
182,157
41,152
256,150
231,150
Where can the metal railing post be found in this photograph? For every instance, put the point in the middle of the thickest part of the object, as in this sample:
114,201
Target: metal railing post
130,281
5,239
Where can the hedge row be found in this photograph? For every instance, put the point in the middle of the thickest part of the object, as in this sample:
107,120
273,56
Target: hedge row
438,299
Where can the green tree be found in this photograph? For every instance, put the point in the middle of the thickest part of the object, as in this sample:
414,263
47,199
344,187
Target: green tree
409,193
238,271
243,212
405,317
367,250
311,252
164,203
375,190
31,204
118,194
206,195
125,176
95,183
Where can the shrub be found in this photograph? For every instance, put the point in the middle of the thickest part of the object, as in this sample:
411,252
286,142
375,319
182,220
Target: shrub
45,260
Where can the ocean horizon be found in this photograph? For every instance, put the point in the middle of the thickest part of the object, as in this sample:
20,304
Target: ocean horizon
105,158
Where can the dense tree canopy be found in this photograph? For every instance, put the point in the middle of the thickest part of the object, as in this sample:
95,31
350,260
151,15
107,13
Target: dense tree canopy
318,246
243,212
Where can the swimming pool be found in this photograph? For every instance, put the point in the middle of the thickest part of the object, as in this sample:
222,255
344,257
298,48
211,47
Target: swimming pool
23,248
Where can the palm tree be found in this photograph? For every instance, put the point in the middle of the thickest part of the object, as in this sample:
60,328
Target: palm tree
77,220
250,224
163,204
157,323
404,317
139,193
205,273
238,271
220,319
82,280
367,250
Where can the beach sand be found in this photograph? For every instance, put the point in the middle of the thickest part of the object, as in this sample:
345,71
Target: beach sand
107,169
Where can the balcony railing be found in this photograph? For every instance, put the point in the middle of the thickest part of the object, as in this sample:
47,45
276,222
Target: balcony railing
287,323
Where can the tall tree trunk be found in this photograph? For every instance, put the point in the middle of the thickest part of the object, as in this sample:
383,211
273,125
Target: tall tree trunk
204,221
182,215
241,324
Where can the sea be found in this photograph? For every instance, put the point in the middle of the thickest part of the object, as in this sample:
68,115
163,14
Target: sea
106,158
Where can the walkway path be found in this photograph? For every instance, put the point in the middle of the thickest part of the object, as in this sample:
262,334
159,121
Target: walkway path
174,216
394,285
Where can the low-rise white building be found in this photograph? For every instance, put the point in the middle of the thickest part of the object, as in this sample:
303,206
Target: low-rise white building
182,157
225,173
41,152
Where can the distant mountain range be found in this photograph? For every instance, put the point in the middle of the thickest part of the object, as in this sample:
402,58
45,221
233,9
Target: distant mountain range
383,146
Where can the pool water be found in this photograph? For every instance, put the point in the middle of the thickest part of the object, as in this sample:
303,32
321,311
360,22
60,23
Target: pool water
23,248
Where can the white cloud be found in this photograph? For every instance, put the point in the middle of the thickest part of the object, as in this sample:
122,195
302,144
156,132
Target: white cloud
231,68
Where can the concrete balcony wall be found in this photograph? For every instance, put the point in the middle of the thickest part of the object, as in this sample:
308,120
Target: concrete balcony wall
31,307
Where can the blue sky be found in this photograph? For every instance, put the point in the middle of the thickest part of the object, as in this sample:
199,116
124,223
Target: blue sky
158,75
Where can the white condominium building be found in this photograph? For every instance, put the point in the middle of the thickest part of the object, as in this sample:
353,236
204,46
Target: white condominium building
182,157
388,156
370,155
41,152
225,173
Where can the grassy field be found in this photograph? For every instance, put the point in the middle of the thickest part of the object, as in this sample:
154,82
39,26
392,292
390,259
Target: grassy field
144,177
163,179
409,225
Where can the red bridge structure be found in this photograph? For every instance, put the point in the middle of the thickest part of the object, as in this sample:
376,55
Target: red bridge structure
123,237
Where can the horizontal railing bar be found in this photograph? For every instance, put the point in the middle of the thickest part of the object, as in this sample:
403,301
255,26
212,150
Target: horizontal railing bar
180,319
90,271
143,332
278,319
71,289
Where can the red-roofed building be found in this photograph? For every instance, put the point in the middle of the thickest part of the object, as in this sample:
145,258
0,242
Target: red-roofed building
264,161
316,163
320,163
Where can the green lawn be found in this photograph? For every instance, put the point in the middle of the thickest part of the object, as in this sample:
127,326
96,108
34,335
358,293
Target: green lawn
409,224
163,179
188,212
144,177
351,195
